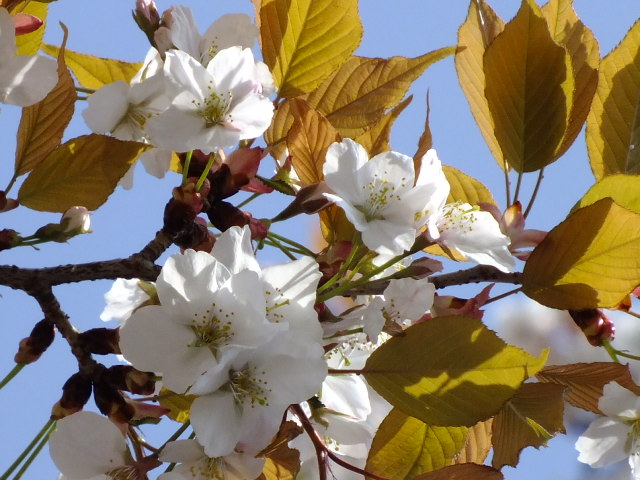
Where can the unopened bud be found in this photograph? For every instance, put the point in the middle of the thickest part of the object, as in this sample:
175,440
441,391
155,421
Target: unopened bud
75,394
126,377
101,341
145,412
224,215
309,200
40,338
595,325
147,18
9,238
7,204
111,403
74,221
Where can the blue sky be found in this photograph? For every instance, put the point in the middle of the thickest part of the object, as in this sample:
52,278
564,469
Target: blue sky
130,218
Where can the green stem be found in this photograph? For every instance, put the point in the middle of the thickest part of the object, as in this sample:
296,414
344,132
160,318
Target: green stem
343,269
85,90
14,371
249,199
11,182
274,243
176,435
297,245
627,355
185,167
518,185
44,431
507,183
34,454
613,353
207,168
340,289
535,193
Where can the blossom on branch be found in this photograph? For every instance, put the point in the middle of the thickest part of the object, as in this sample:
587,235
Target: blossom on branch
616,436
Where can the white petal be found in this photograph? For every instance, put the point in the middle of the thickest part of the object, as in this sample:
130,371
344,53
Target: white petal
617,401
122,299
233,248
26,79
182,451
7,35
184,31
107,107
229,30
156,161
216,421
603,443
86,444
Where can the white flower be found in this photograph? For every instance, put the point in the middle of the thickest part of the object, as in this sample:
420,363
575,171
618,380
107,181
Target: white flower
123,110
614,437
24,79
87,445
381,197
248,409
475,234
194,464
206,317
228,31
404,300
122,299
212,107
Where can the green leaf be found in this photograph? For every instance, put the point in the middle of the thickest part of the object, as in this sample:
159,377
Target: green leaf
569,31
358,94
308,141
95,72
42,125
477,445
463,471
303,42
529,90
622,188
531,418
178,403
30,43
83,171
590,260
466,377
610,122
480,28
465,188
405,447
585,381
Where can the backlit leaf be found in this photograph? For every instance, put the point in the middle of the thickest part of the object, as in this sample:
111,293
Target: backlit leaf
529,90
308,141
303,42
376,139
178,403
531,418
405,447
585,381
590,260
335,226
610,121
463,471
83,171
569,31
622,188
467,376
358,94
30,43
282,462
95,72
477,32
465,188
425,143
477,444
43,124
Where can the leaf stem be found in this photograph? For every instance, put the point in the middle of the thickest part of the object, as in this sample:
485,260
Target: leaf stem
44,431
207,168
613,353
535,192
185,167
518,185
14,371
247,200
507,183
34,454
294,244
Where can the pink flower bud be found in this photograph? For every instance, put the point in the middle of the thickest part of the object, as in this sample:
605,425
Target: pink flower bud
26,23
595,325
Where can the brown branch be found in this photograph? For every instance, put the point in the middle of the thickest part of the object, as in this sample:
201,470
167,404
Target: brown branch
139,265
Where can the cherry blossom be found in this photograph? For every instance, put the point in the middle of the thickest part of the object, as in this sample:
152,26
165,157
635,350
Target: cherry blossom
614,437
24,79
381,197
212,107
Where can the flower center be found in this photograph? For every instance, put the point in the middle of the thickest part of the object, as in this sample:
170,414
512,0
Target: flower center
249,388
215,107
380,193
213,329
209,468
125,472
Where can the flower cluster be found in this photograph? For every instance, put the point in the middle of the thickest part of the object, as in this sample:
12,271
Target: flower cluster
204,92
